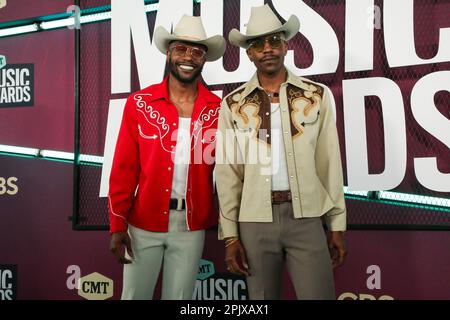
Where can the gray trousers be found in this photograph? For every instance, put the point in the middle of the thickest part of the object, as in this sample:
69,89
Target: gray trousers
301,243
179,251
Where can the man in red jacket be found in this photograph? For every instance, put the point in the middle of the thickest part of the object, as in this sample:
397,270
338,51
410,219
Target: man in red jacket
161,186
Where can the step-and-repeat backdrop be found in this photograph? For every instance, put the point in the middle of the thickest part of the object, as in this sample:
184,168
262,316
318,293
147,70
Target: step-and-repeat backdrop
386,62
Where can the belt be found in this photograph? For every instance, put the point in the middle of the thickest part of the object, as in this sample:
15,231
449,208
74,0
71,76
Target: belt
281,196
177,204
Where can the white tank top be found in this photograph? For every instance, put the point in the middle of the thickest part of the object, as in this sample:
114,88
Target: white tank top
181,159
280,177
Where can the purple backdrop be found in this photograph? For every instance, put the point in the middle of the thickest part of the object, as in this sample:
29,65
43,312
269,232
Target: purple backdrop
49,124
22,9
37,237
36,234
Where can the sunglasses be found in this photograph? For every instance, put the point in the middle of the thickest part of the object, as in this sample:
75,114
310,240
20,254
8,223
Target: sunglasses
196,53
274,42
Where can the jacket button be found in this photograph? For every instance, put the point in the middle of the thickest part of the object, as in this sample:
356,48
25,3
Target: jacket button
165,212
167,190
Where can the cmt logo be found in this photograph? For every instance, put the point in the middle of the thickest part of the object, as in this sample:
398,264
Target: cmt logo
373,282
218,286
8,186
205,270
94,286
221,286
8,282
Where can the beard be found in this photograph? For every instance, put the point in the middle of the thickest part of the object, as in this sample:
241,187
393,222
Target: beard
174,71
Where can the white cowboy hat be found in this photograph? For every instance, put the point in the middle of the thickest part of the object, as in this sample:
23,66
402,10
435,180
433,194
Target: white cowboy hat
190,29
263,21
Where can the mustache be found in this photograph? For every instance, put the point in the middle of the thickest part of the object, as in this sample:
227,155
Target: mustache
265,58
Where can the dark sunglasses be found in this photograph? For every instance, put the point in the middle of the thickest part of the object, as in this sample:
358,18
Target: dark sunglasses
181,49
274,41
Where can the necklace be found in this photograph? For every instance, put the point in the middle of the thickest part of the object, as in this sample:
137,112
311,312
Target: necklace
273,94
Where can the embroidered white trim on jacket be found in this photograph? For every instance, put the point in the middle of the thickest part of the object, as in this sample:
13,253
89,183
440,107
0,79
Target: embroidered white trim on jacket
153,114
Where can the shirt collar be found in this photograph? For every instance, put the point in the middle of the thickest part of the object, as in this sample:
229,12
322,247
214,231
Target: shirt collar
159,91
253,83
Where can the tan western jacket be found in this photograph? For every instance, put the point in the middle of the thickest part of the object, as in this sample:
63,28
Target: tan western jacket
312,155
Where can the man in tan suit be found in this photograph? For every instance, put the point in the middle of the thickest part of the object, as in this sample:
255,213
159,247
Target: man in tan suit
287,178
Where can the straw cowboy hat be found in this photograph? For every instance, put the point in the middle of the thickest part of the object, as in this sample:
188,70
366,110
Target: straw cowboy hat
263,21
190,29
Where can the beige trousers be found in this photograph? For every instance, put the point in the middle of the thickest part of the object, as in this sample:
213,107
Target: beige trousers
301,243
179,251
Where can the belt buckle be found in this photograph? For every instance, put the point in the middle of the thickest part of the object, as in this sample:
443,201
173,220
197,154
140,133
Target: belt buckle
179,204
280,196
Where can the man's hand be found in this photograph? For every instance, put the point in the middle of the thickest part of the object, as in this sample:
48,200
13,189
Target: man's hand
236,259
338,251
118,240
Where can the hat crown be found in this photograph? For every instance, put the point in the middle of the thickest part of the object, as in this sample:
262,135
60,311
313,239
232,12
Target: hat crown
190,28
262,20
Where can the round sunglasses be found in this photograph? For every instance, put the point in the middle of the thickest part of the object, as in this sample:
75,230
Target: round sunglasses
181,49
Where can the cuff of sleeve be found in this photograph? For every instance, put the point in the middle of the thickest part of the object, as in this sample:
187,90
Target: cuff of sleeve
228,229
337,222
118,225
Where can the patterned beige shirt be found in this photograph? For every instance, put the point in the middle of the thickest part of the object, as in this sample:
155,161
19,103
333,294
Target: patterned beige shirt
243,166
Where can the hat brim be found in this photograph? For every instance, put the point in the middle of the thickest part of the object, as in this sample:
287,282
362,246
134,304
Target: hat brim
216,44
290,29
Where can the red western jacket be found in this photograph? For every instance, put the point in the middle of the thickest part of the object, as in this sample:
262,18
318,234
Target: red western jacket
144,156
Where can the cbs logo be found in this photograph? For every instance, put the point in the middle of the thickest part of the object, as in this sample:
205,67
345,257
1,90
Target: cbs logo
362,296
8,186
